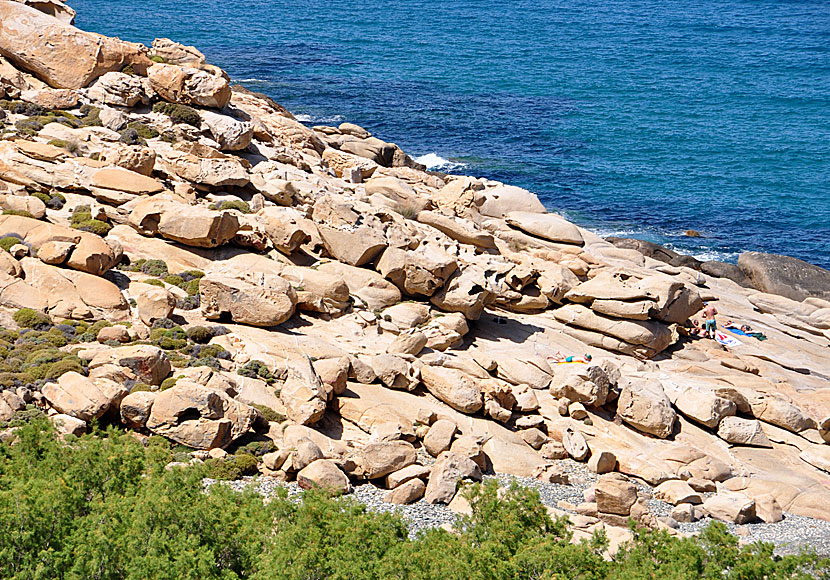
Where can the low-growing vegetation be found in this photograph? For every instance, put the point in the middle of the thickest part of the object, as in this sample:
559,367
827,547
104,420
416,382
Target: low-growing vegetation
82,220
237,204
104,506
178,113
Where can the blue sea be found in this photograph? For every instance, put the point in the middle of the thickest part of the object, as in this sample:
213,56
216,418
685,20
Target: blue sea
639,118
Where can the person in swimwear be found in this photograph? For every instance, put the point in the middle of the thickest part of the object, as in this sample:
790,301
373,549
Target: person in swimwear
559,358
710,325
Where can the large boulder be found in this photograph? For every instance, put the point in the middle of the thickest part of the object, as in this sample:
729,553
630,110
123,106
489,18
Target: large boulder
198,416
135,408
83,398
384,457
145,363
732,508
324,474
417,273
455,388
118,89
701,405
175,53
775,410
615,495
60,54
581,383
643,404
186,224
259,299
303,393
154,303
786,276
740,431
205,87
448,470
503,199
466,292
348,236
231,134
549,226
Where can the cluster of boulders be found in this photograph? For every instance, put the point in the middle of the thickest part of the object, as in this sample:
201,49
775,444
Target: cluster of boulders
381,322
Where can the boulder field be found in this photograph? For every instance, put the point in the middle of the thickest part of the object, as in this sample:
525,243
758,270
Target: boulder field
216,273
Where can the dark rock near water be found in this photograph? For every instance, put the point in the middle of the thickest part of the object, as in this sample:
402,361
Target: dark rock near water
726,270
785,276
649,249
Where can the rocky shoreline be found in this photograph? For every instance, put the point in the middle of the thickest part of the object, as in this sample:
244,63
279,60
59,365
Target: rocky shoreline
185,259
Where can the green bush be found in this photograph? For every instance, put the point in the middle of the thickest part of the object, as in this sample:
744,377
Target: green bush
157,58
81,219
237,204
154,267
90,116
256,369
153,282
269,414
199,334
29,318
179,113
20,212
168,383
232,467
173,280
9,241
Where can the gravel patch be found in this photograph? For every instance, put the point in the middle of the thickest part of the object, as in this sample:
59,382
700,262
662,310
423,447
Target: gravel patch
790,536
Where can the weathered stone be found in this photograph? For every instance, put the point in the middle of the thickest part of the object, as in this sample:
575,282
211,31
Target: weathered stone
466,291
455,388
615,495
394,372
652,336
135,408
588,384
175,53
303,393
189,85
118,333
731,508
602,461
408,473
575,444
349,237
381,459
447,471
60,54
775,410
785,276
25,203
701,405
82,397
740,431
258,300
406,493
675,492
545,225
68,425
131,157
644,405
189,225
417,273
230,133
149,364
198,416
154,303
118,89
408,343
500,200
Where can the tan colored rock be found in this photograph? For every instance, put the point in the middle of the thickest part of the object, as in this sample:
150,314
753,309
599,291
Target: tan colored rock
731,508
342,163
201,165
652,336
406,493
462,231
775,410
466,291
417,273
349,237
818,456
55,253
374,290
175,53
303,393
9,265
149,364
324,474
440,435
767,509
533,437
447,471
259,300
198,416
701,405
615,495
304,453
740,431
86,399
135,408
189,85
380,459
503,199
68,425
545,225
189,225
575,444
26,203
676,492
118,333
643,404
824,429
408,473
154,303
452,386
231,134
588,384
118,89
126,181
394,372
135,158
602,461
58,53
408,343
333,373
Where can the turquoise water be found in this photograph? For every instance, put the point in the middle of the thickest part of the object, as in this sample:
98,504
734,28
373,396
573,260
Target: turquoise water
640,118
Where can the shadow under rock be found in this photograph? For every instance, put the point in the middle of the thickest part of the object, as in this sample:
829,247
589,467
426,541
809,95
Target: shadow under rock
492,326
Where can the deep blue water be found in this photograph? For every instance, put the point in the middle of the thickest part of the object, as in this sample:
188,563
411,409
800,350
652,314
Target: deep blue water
639,117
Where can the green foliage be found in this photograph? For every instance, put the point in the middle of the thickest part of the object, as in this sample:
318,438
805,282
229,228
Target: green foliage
157,58
81,219
168,383
231,467
256,369
29,318
237,204
179,113
199,334
269,414
154,268
9,241
103,506
154,282
136,133
128,69
20,212
90,116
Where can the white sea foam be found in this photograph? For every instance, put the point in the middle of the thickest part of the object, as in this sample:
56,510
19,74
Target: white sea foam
434,161
251,80
303,118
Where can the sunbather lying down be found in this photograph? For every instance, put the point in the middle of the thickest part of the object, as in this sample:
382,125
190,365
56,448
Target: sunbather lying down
558,358
743,327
